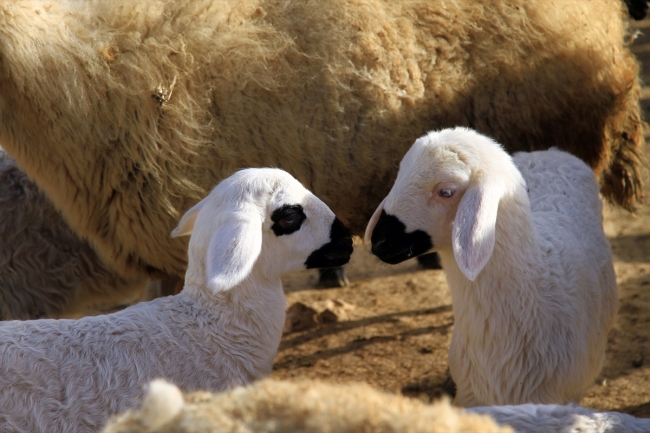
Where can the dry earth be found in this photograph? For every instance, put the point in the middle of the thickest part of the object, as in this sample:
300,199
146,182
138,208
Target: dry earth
396,321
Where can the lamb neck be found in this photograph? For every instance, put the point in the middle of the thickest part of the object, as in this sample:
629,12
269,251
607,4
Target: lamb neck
507,279
250,317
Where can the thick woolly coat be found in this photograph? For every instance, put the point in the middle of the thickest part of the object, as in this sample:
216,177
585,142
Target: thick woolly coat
125,113
272,406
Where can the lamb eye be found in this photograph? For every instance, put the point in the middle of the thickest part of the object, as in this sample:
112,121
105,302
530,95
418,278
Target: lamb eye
446,193
287,219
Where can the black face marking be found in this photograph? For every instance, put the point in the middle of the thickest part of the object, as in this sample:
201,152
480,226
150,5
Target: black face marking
334,253
393,245
287,219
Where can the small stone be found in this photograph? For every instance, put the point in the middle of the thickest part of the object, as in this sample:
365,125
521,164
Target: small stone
328,316
300,317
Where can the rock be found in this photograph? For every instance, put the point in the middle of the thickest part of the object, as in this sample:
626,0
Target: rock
301,316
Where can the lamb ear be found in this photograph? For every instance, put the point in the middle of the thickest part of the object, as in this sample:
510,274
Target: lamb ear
473,236
233,250
186,224
373,222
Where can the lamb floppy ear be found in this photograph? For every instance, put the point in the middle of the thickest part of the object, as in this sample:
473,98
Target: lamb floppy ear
186,224
373,222
473,236
233,249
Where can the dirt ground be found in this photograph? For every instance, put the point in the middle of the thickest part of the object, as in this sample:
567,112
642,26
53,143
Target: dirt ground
399,318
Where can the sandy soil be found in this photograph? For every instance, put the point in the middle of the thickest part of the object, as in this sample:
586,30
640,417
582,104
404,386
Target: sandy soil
399,318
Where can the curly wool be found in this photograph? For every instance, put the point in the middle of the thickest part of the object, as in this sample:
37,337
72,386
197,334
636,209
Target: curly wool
126,113
304,406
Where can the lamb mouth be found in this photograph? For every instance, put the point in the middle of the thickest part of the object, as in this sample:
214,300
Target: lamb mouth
336,252
393,258
392,244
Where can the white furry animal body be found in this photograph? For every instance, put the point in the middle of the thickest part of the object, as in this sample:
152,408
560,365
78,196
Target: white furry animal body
528,265
552,418
222,330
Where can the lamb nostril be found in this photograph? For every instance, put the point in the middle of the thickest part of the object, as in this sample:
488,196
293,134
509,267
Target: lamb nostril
378,244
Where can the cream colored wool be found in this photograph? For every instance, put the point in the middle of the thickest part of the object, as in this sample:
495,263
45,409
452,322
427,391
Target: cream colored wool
126,113
306,406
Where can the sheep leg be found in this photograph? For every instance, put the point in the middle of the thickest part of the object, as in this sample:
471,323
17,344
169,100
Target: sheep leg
430,261
332,277
638,9
158,288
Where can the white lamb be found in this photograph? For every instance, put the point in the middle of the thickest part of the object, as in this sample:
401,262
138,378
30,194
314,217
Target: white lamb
222,330
553,418
528,265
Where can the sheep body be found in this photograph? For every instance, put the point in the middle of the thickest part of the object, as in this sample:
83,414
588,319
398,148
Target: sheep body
222,330
551,418
305,406
45,269
529,268
69,373
123,111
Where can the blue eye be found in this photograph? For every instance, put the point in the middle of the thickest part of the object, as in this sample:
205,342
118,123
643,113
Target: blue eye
446,193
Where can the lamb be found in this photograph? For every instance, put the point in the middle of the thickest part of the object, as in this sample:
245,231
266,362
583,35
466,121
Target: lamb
222,330
125,113
552,418
45,269
526,260
270,406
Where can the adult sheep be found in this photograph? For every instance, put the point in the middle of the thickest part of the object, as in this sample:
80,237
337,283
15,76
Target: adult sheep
45,269
125,113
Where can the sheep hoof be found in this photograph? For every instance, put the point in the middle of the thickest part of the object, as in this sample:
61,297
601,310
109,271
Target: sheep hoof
332,277
430,261
449,386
